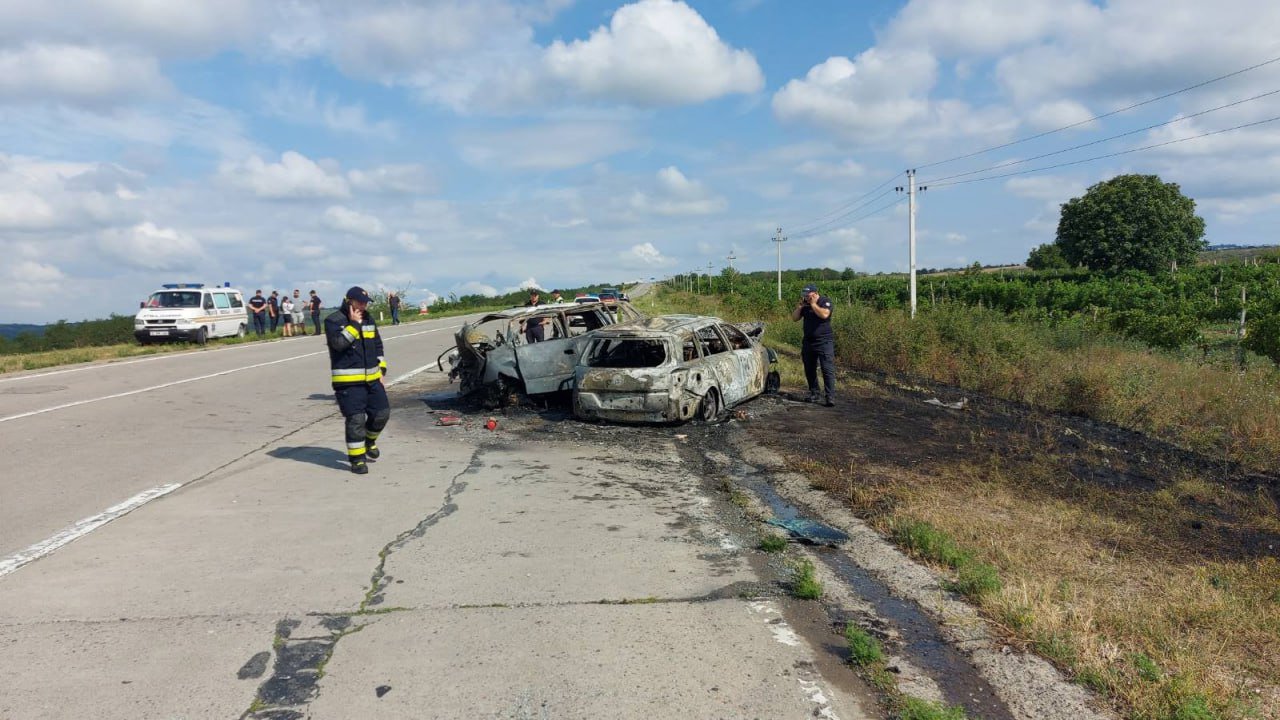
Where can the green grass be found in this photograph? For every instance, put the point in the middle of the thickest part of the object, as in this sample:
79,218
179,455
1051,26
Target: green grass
773,543
864,650
804,584
917,709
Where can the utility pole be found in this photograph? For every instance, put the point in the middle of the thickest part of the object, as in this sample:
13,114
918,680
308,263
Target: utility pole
778,239
911,231
710,284
731,257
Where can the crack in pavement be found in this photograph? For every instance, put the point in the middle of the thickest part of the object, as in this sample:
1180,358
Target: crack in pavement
300,661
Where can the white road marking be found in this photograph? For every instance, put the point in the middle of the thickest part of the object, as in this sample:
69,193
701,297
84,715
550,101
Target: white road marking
82,528
162,386
89,524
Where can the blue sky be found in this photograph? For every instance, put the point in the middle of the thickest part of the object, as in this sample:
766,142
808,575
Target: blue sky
451,146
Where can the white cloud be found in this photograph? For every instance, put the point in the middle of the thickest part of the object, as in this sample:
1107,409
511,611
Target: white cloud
147,247
1060,113
654,52
474,287
24,210
831,171
295,176
647,255
350,221
546,147
305,107
410,242
406,179
77,75
676,195
185,29
29,284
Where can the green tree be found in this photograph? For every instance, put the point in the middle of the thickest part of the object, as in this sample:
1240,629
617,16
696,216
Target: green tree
1047,257
1131,222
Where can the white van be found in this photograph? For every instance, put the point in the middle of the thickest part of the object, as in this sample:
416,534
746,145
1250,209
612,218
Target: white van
191,311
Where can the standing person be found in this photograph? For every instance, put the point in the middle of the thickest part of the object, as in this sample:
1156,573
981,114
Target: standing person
533,331
394,301
299,312
286,311
556,297
357,367
314,304
273,309
819,344
258,305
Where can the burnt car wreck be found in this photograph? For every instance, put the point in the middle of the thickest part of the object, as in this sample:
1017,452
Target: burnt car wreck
672,368
492,360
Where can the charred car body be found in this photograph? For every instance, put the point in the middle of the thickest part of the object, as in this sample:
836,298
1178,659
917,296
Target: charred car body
492,359
671,368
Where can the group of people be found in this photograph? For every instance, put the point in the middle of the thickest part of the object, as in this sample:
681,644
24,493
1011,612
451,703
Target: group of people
534,330
291,312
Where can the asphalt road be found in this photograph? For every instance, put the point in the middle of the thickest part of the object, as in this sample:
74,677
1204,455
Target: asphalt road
470,574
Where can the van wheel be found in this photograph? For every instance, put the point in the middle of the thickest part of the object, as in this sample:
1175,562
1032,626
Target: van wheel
772,383
144,341
244,330
202,336
710,409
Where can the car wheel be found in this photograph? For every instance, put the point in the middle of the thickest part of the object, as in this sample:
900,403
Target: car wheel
709,410
202,336
772,383
144,341
244,330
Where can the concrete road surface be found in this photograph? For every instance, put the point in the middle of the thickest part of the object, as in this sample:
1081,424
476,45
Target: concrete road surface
246,573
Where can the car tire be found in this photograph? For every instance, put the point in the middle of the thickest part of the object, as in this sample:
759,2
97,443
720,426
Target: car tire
144,341
202,336
710,409
772,383
243,331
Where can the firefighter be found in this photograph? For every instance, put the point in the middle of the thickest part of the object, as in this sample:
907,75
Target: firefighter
358,366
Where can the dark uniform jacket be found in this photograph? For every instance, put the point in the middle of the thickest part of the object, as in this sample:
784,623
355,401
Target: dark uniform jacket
355,351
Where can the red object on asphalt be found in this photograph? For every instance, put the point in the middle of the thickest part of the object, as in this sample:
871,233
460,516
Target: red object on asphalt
449,420
491,424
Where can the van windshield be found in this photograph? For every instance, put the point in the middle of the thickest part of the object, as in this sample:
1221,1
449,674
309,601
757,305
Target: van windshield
175,299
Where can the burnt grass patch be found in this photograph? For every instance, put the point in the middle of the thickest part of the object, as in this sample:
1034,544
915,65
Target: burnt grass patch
1095,543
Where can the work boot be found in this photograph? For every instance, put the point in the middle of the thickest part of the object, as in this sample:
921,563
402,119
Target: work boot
813,398
371,451
359,467
830,402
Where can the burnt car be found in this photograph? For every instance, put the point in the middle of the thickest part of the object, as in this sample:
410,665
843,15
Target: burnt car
492,360
671,368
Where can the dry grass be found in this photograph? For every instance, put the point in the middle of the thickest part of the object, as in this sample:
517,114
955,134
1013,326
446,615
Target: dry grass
1096,584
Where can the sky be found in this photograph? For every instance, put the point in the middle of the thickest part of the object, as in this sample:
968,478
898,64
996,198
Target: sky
481,146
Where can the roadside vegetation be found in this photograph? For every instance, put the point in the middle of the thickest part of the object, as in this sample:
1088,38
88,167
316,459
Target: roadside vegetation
1108,582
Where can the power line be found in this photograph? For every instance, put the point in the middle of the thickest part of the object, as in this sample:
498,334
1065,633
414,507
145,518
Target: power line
1103,115
856,201
858,219
1108,155
1099,142
814,230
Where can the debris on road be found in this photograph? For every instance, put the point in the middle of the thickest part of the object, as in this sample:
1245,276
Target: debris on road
811,531
449,420
961,404
491,424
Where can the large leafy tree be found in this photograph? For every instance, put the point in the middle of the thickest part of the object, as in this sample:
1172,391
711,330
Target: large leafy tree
1047,257
1131,222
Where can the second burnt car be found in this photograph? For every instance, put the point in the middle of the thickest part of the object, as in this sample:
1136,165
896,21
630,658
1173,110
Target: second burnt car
492,361
671,368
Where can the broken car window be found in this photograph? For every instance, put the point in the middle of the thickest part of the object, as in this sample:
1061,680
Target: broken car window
711,341
689,347
737,339
627,353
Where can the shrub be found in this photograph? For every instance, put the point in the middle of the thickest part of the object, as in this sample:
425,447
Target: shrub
863,649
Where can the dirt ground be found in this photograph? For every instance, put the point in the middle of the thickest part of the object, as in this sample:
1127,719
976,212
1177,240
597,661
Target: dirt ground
877,428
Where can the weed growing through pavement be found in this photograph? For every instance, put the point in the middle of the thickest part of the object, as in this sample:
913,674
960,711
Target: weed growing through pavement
805,584
917,709
864,650
773,543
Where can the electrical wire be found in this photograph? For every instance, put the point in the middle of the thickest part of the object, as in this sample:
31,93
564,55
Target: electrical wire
1097,142
1108,155
1103,115
853,221
822,227
850,206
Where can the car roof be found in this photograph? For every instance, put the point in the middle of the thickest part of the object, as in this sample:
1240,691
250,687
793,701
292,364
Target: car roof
518,312
661,324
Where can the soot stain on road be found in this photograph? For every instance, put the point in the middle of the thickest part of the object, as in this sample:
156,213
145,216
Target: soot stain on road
300,661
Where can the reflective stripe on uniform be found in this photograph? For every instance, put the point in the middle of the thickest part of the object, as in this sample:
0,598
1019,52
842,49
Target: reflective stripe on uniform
356,375
355,452
351,333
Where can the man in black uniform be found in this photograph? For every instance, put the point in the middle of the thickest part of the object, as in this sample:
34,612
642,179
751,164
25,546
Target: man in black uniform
357,366
819,345
533,328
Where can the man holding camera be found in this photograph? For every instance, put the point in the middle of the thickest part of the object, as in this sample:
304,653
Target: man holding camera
819,345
